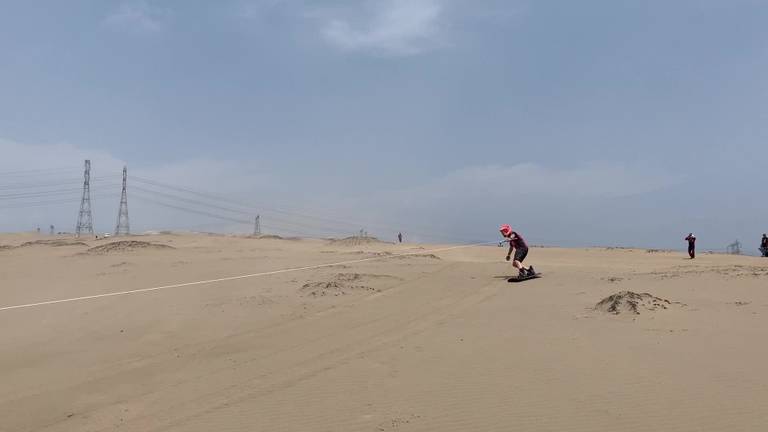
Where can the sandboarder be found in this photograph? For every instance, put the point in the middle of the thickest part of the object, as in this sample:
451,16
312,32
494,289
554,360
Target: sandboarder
399,237
520,248
691,239
764,246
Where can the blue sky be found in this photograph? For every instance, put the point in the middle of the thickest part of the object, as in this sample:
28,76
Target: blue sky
580,123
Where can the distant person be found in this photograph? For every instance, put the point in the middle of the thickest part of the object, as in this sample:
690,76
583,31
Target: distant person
399,237
519,247
691,239
764,245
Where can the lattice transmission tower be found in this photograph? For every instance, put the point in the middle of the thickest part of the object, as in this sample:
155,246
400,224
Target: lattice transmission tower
734,248
85,217
123,226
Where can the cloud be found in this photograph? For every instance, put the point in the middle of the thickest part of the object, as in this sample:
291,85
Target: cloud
137,16
257,9
601,180
557,205
49,157
392,27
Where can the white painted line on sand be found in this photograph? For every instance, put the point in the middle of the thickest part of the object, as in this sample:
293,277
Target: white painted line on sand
230,278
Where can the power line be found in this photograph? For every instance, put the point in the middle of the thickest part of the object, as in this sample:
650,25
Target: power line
272,225
263,209
39,194
191,201
250,207
332,228
187,190
50,183
55,202
36,172
323,227
188,210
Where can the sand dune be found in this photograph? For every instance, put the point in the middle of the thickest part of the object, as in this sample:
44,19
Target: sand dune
607,340
356,241
52,243
634,303
127,246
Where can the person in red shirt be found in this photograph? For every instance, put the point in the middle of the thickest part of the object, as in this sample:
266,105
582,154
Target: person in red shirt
691,239
519,247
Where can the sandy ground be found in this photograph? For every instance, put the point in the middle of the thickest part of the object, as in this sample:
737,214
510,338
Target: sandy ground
420,343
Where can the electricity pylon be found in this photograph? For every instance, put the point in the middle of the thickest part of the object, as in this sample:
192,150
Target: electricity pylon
85,217
123,226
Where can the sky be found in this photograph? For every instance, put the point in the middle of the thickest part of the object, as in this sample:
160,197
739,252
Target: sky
617,123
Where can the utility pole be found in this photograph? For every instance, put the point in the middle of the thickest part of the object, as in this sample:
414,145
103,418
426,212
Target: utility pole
85,217
123,226
257,226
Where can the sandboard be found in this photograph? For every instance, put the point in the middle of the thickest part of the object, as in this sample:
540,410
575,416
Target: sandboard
525,278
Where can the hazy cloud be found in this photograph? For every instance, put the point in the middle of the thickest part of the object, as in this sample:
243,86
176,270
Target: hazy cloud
137,16
256,9
594,180
547,202
392,27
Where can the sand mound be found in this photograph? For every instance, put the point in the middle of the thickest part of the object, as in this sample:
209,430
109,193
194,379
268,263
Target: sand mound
348,277
399,256
630,302
423,256
343,284
332,288
266,237
126,246
613,279
272,237
354,277
53,243
356,241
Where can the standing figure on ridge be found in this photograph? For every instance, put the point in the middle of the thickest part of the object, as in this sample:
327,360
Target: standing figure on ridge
691,239
764,246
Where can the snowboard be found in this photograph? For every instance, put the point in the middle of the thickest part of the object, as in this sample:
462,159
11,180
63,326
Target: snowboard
524,278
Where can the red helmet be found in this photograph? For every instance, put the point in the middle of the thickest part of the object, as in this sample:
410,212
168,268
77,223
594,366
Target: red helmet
505,230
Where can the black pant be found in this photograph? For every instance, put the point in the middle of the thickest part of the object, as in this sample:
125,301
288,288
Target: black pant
520,254
692,251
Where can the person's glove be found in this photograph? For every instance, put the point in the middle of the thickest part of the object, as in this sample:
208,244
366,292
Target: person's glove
508,256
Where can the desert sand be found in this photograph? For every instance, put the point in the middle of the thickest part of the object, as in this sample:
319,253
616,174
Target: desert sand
432,341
